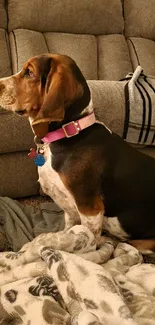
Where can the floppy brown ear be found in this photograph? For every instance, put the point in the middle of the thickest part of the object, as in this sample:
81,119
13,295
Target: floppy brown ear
53,105
40,129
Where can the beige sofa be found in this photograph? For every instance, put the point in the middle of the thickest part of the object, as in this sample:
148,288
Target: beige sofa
107,38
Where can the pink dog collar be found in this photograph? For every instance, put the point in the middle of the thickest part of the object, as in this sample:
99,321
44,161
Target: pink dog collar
70,129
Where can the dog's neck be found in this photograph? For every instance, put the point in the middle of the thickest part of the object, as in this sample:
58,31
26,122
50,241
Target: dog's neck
87,110
76,115
81,108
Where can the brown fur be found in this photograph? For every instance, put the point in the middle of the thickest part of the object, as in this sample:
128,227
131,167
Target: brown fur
144,245
61,90
87,205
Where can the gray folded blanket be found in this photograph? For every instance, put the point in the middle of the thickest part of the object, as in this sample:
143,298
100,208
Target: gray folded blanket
20,223
139,126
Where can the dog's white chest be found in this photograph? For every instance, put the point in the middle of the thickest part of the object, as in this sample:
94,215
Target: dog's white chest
53,186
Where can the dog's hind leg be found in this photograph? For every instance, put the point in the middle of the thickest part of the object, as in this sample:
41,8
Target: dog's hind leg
145,246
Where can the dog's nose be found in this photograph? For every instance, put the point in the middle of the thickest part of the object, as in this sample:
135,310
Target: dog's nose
21,112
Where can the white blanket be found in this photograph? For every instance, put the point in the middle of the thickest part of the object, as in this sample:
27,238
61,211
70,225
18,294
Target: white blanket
53,280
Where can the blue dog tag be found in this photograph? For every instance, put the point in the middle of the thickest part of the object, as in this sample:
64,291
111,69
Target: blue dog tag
39,160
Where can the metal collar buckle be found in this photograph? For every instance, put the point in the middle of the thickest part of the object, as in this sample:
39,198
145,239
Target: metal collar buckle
76,127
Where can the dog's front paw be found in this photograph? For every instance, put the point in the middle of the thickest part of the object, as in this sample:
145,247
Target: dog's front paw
101,240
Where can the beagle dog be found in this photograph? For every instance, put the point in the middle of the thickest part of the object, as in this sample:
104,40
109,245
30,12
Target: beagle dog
90,172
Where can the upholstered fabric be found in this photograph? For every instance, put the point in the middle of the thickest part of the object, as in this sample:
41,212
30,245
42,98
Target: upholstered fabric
25,43
113,57
139,18
105,57
102,57
15,132
109,103
3,15
18,175
82,48
142,52
5,64
86,17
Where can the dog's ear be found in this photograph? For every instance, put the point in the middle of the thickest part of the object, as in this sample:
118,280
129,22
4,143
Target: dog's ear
40,129
61,90
52,108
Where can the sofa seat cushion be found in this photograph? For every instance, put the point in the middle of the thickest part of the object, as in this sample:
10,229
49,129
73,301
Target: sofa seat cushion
113,57
15,132
5,66
142,52
18,175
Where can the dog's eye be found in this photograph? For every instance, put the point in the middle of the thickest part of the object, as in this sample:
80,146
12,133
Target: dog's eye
29,73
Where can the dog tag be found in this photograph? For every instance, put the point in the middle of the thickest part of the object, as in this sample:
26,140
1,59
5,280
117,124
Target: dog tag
38,158
32,153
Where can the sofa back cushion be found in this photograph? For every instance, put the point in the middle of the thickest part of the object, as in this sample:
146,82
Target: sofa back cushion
3,16
88,17
5,63
140,18
82,48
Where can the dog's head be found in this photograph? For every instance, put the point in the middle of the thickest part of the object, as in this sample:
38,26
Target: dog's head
49,88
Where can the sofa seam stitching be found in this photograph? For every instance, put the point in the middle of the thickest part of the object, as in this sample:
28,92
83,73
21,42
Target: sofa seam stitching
15,49
46,42
134,51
